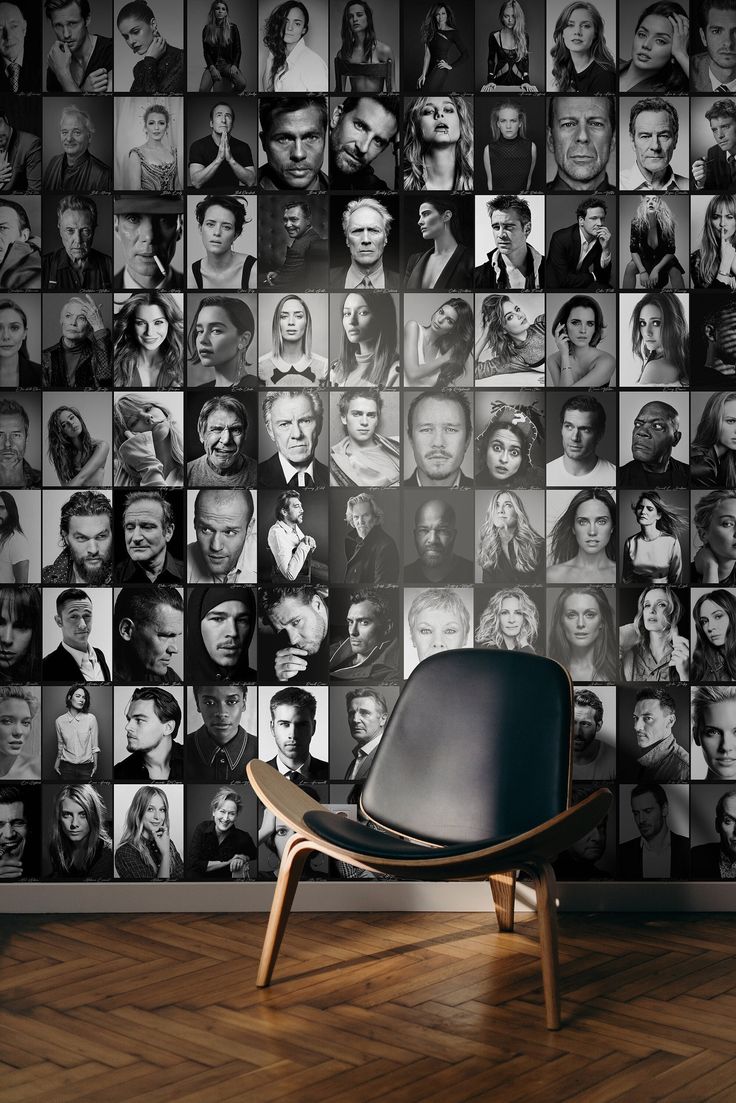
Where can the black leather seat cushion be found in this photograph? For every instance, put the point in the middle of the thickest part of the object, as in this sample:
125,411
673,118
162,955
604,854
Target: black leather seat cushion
362,839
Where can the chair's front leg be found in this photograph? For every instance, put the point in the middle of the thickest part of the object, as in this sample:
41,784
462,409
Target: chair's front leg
546,887
295,855
503,888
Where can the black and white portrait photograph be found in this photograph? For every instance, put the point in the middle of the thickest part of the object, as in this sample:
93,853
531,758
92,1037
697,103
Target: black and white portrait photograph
77,821
581,536
654,734
78,152
509,142
437,58
654,830
358,718
77,732
653,340
653,535
148,733
509,540
149,144
509,618
365,536
294,536
365,438
594,747
77,634
712,841
364,47
364,635
221,49
77,538
149,832
20,733
148,632
510,47
221,232
437,618
581,340
653,243
438,340
293,340
148,42
437,438
221,733
437,537
582,57
581,631
292,242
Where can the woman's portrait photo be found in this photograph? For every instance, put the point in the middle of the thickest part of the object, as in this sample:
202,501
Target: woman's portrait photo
510,544
367,56
77,440
20,634
293,340
653,647
653,552
649,258
436,56
653,340
147,439
366,340
217,223
659,62
438,144
365,433
713,449
509,340
293,46
579,325
147,61
438,341
77,350
20,734
509,133
20,536
149,832
713,231
79,843
714,650
502,46
443,223
220,342
215,59
581,540
438,619
149,341
149,141
20,343
509,449
581,631
510,621
583,47
713,536
220,848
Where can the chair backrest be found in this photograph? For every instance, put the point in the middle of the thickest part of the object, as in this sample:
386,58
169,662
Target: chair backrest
375,70
477,747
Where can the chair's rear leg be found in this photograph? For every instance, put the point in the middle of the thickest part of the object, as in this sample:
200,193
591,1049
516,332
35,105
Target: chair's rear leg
292,863
546,886
503,888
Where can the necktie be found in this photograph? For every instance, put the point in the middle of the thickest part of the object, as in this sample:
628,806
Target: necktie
87,669
355,766
365,282
294,775
14,75
279,375
723,89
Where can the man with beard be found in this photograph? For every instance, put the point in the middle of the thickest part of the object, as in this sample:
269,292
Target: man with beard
75,659
148,526
221,748
293,723
361,127
148,624
439,429
15,470
152,719
85,537
719,368
76,169
224,550
76,265
579,861
435,532
592,759
656,432
219,162
298,615
20,158
305,262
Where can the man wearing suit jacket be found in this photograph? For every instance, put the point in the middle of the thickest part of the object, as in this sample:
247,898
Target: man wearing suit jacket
18,71
579,257
367,716
717,170
366,224
293,421
717,861
659,853
439,429
293,724
75,660
20,158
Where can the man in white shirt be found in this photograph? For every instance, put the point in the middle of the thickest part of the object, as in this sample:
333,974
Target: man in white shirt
224,550
654,127
290,547
582,425
147,228
75,660
715,69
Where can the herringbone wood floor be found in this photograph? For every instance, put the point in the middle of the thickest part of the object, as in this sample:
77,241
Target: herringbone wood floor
392,1007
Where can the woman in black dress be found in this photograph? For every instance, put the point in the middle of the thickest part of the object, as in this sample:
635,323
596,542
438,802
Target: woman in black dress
442,41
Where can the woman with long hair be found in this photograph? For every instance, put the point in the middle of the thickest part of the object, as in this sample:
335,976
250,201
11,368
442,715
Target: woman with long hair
438,144
20,634
80,847
290,65
442,40
147,443
364,457
581,60
220,333
291,361
503,449
511,342
436,352
362,64
578,329
368,348
582,635
448,263
583,540
17,370
145,851
713,265
713,450
80,360
509,622
653,554
510,156
221,621
77,742
714,517
509,547
222,52
659,63
15,551
714,654
220,851
652,246
508,50
652,650
659,341
78,459
153,165
221,219
149,342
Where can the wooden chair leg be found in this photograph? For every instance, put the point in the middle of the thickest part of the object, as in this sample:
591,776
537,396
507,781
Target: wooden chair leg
503,888
546,886
292,864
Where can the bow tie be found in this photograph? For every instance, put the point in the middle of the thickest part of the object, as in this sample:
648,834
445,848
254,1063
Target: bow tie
279,375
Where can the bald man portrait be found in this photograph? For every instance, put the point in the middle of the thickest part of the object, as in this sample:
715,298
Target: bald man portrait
435,532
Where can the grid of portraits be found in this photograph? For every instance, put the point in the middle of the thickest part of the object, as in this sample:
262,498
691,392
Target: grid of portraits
333,334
